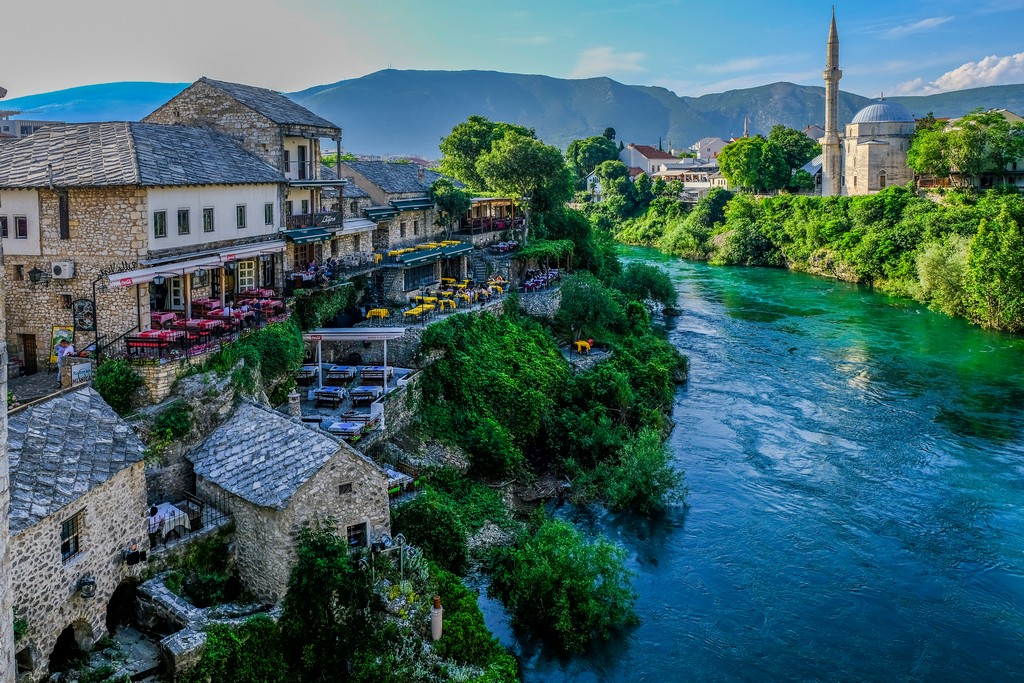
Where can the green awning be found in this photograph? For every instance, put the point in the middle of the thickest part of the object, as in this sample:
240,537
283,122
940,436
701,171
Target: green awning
416,204
380,213
420,257
306,235
457,249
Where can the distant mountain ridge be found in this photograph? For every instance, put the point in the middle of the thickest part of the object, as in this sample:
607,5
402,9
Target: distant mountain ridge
408,112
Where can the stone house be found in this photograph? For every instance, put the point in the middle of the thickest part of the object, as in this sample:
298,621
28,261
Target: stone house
405,216
102,222
276,475
287,136
78,504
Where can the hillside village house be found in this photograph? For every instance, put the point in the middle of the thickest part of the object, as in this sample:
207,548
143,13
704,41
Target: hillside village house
285,135
275,474
708,148
103,223
405,218
644,157
77,509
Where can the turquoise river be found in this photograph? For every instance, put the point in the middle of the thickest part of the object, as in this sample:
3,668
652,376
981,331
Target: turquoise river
856,508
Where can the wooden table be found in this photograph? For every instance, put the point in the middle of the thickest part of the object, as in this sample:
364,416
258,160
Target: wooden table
331,396
161,317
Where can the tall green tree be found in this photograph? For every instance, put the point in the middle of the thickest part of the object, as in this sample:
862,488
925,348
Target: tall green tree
468,141
452,203
755,164
995,274
521,166
584,155
797,148
979,143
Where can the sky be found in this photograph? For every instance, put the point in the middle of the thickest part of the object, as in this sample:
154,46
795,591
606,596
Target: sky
692,48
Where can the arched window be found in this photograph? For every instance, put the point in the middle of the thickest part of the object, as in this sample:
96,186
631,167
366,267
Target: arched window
881,179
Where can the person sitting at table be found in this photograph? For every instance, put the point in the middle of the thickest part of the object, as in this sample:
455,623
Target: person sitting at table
154,521
228,309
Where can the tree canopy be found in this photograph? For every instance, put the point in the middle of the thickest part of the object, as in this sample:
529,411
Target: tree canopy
754,163
468,141
452,202
980,142
521,166
584,155
797,148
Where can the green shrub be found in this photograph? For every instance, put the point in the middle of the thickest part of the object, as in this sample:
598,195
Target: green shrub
115,381
313,308
563,588
432,522
643,480
248,653
466,638
175,420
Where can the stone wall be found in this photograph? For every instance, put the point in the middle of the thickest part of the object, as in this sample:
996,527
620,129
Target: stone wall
265,538
6,615
401,406
402,352
46,589
108,229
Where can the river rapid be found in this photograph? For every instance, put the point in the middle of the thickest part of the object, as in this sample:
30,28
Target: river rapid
856,508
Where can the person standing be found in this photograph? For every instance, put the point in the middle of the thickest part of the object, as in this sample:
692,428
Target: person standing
64,348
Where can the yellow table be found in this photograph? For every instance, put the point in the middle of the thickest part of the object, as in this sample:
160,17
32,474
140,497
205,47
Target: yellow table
377,258
446,303
464,296
498,288
399,252
450,243
414,311
427,307
425,299
428,245
447,281
582,346
377,313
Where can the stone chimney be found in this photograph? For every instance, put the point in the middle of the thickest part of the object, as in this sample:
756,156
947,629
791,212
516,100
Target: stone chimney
294,407
7,669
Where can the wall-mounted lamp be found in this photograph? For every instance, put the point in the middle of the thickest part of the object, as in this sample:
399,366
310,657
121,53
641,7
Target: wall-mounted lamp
199,272
230,265
37,277
264,257
87,587
159,280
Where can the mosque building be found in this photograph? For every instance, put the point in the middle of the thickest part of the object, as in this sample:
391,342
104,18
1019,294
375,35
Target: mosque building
871,154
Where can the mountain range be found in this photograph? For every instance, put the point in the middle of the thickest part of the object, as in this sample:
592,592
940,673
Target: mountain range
408,112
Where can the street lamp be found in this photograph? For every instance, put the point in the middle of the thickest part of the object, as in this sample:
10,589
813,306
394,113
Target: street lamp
37,276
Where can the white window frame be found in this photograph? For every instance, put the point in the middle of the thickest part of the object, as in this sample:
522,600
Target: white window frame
246,275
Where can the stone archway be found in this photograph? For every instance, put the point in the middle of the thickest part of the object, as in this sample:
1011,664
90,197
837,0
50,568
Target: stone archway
73,644
121,607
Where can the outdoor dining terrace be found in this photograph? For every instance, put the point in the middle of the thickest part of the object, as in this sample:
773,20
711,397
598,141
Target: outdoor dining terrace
438,300
345,399
173,336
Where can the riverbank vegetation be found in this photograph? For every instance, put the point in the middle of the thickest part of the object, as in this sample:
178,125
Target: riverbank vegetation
958,252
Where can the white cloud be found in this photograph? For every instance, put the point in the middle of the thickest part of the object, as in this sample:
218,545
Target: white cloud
922,25
603,61
991,70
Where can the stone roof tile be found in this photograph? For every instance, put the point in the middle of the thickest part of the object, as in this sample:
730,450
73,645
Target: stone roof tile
397,178
119,153
63,448
263,456
273,105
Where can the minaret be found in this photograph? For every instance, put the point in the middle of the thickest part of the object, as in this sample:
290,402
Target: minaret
831,152
7,670
746,126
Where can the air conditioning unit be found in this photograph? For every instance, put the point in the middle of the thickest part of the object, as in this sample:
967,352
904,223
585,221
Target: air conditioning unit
62,270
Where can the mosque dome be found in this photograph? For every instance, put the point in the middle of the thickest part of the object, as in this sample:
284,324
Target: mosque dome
884,111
